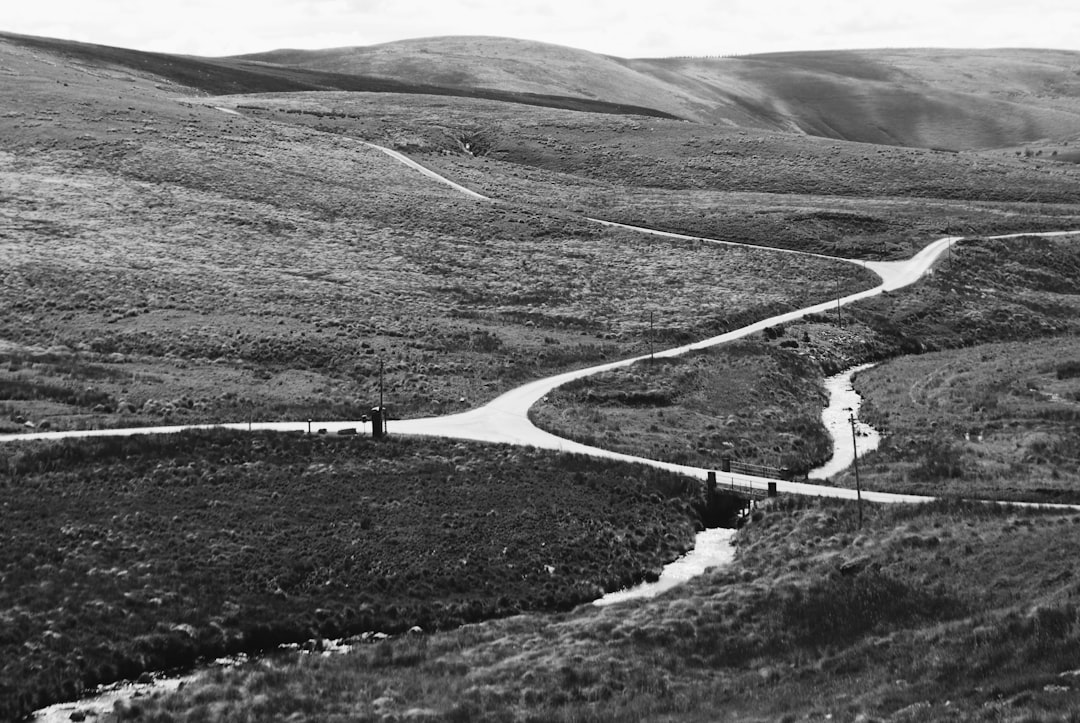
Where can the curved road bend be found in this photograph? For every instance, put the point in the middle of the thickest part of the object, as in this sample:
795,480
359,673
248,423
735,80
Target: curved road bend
505,419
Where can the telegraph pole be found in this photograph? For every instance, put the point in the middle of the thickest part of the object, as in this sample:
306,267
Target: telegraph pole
858,486
839,319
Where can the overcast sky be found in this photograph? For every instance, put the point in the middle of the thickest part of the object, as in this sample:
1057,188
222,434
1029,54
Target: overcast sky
626,28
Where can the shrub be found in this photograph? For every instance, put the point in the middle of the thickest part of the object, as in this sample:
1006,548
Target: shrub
1068,370
939,460
843,608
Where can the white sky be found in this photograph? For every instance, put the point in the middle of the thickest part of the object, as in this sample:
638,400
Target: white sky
626,28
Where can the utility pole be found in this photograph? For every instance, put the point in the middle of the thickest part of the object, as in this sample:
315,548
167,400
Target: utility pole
839,319
380,383
858,486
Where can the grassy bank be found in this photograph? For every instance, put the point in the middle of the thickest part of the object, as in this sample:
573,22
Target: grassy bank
148,553
995,420
944,612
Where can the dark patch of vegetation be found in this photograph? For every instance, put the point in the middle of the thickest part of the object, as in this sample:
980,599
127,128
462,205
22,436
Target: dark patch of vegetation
17,389
843,608
123,555
1068,370
925,611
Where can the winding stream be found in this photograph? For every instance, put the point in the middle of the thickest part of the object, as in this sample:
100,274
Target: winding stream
844,402
713,547
505,420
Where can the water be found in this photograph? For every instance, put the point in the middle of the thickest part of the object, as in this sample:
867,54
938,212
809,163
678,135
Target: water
102,700
712,548
844,402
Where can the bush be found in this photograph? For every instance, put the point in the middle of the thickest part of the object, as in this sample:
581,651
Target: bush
939,460
842,608
1068,370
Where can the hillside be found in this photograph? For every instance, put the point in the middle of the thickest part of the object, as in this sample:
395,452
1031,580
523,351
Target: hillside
188,240
958,99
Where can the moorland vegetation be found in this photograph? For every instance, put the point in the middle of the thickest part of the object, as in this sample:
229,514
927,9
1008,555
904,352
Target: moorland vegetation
127,556
912,616
172,253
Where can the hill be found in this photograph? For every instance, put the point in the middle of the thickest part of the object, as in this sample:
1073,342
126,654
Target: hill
217,76
212,239
958,99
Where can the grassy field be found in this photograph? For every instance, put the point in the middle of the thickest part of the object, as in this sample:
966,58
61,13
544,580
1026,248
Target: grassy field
192,265
749,401
163,260
695,409
143,554
772,189
947,612
996,420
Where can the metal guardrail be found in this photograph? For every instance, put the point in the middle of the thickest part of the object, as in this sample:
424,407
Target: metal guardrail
727,464
746,490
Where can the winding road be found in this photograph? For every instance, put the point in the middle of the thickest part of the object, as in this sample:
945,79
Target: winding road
505,419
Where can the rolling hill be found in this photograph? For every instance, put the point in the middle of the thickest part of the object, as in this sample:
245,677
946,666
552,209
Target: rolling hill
951,99
190,240
959,99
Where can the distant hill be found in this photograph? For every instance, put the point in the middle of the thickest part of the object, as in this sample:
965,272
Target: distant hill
224,76
958,99
946,99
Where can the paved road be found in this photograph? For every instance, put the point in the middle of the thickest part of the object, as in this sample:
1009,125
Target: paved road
505,419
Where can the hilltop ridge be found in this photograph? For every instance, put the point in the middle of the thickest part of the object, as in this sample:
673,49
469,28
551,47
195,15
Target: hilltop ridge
959,99
929,98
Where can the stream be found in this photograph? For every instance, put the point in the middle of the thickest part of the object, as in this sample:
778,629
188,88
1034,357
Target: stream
712,548
844,402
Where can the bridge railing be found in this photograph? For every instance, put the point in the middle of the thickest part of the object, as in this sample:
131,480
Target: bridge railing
730,485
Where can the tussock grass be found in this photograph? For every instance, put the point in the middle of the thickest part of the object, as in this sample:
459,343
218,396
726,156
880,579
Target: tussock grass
125,555
751,401
902,618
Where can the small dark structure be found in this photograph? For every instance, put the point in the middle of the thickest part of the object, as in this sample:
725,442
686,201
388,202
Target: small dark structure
728,505
378,422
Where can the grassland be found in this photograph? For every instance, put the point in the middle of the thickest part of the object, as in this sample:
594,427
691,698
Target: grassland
933,406
997,420
930,98
774,189
192,265
165,260
946,612
129,555
749,401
